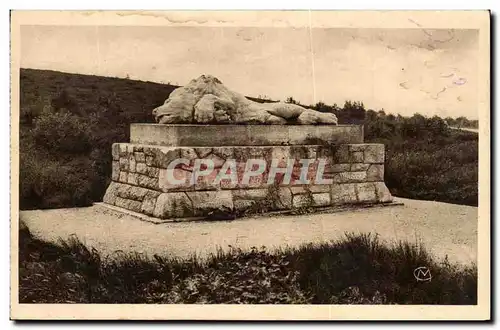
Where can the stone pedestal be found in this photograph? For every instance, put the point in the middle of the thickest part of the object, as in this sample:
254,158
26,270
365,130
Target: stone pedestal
340,169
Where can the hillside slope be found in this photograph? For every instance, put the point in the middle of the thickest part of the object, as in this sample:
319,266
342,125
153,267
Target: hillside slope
84,92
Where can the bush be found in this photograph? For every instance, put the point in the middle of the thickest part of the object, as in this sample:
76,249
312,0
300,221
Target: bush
425,159
49,182
46,183
62,132
355,270
447,173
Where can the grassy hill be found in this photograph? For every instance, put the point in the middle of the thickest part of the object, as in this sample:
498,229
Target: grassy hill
83,93
69,121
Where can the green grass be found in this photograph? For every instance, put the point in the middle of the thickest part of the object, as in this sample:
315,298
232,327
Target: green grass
358,269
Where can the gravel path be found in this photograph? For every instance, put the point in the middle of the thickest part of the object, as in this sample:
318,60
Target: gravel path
445,229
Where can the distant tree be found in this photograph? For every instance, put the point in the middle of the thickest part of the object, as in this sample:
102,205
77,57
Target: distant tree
450,121
371,115
461,122
354,110
290,100
437,126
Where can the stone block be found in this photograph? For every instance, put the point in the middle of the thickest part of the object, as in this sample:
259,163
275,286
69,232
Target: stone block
321,199
139,193
128,204
123,190
149,160
343,193
305,200
282,198
148,206
253,194
357,157
141,168
115,171
148,150
188,153
359,167
241,205
346,177
299,190
124,165
207,202
203,152
131,163
147,182
340,154
336,168
152,172
223,152
311,199
254,182
165,182
140,157
132,179
206,182
173,205
366,192
374,153
217,160
163,156
259,199
244,135
242,154
132,192
123,149
280,153
115,151
304,151
375,172
315,188
382,192
123,177
111,193
357,147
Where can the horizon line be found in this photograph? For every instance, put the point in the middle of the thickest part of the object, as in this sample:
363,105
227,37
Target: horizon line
261,97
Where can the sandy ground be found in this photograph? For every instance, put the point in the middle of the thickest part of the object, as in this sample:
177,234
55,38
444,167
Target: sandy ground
445,229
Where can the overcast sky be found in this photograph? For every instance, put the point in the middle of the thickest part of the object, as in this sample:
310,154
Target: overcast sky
401,70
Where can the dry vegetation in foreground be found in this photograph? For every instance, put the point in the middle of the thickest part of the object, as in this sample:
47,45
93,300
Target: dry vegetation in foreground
356,270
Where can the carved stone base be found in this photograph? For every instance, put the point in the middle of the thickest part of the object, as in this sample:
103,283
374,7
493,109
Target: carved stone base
142,179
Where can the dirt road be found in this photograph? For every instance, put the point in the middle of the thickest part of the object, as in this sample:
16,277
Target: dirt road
445,229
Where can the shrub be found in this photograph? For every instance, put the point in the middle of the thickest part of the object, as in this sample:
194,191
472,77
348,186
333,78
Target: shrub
425,159
62,132
47,183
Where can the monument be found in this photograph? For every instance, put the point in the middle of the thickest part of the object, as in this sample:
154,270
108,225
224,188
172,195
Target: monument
214,153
